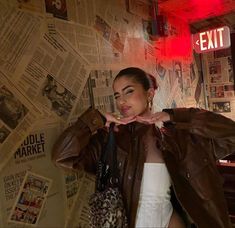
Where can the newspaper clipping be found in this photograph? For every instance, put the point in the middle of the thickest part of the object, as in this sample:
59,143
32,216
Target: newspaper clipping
55,76
17,117
30,200
79,216
20,31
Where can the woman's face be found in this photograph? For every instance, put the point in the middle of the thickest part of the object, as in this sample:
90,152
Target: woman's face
131,98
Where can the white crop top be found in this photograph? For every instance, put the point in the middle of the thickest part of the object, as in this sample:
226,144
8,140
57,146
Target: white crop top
155,208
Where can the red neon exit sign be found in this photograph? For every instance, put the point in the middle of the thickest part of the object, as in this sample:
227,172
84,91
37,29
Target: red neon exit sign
211,40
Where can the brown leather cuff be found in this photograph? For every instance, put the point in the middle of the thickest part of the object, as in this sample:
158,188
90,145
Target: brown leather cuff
179,114
93,119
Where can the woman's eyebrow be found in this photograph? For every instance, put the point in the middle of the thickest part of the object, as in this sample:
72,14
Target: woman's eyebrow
126,87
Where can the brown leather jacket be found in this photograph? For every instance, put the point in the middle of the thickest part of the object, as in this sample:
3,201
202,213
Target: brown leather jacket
190,143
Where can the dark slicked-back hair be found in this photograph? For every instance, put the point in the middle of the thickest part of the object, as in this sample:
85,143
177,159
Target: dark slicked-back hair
138,75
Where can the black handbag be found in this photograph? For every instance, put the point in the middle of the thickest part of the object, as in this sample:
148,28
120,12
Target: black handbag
106,204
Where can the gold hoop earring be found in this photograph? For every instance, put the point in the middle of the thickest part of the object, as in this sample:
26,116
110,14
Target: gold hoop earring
150,104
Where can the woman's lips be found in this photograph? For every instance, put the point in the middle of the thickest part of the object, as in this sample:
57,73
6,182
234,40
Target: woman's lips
125,109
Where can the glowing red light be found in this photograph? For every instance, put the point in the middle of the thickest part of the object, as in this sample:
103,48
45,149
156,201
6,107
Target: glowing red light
178,42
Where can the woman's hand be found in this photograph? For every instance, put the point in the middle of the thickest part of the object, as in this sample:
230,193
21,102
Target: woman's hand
154,118
110,118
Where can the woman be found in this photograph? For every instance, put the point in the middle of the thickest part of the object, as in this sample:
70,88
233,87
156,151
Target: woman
182,154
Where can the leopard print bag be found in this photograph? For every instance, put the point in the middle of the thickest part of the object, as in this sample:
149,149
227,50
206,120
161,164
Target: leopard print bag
106,204
107,209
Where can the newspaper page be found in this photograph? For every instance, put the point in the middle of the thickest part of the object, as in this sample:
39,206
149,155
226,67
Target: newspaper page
164,89
110,34
17,116
55,76
171,84
97,93
90,42
19,33
83,38
84,101
79,216
112,24
36,6
139,7
94,48
113,12
72,184
150,53
187,84
102,96
108,55
118,18
30,200
34,155
71,188
81,11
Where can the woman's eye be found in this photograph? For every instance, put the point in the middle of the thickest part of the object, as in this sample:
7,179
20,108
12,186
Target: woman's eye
116,97
129,91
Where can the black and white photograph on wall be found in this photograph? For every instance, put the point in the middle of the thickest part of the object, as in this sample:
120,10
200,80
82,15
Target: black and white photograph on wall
12,111
221,106
231,76
4,132
161,70
229,87
217,91
147,29
187,87
102,27
57,97
192,71
57,7
216,78
215,67
230,69
229,90
173,104
177,67
117,41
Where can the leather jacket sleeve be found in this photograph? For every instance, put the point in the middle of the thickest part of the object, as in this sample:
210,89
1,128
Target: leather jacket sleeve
79,146
207,124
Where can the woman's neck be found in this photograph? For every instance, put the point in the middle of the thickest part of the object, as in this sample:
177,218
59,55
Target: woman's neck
146,113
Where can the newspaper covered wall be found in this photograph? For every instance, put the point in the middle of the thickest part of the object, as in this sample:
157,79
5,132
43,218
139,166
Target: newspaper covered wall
34,155
57,59
220,82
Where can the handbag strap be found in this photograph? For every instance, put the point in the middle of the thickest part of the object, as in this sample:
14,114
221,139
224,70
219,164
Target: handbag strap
109,157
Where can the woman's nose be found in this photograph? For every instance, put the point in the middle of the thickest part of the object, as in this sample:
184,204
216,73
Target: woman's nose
122,100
